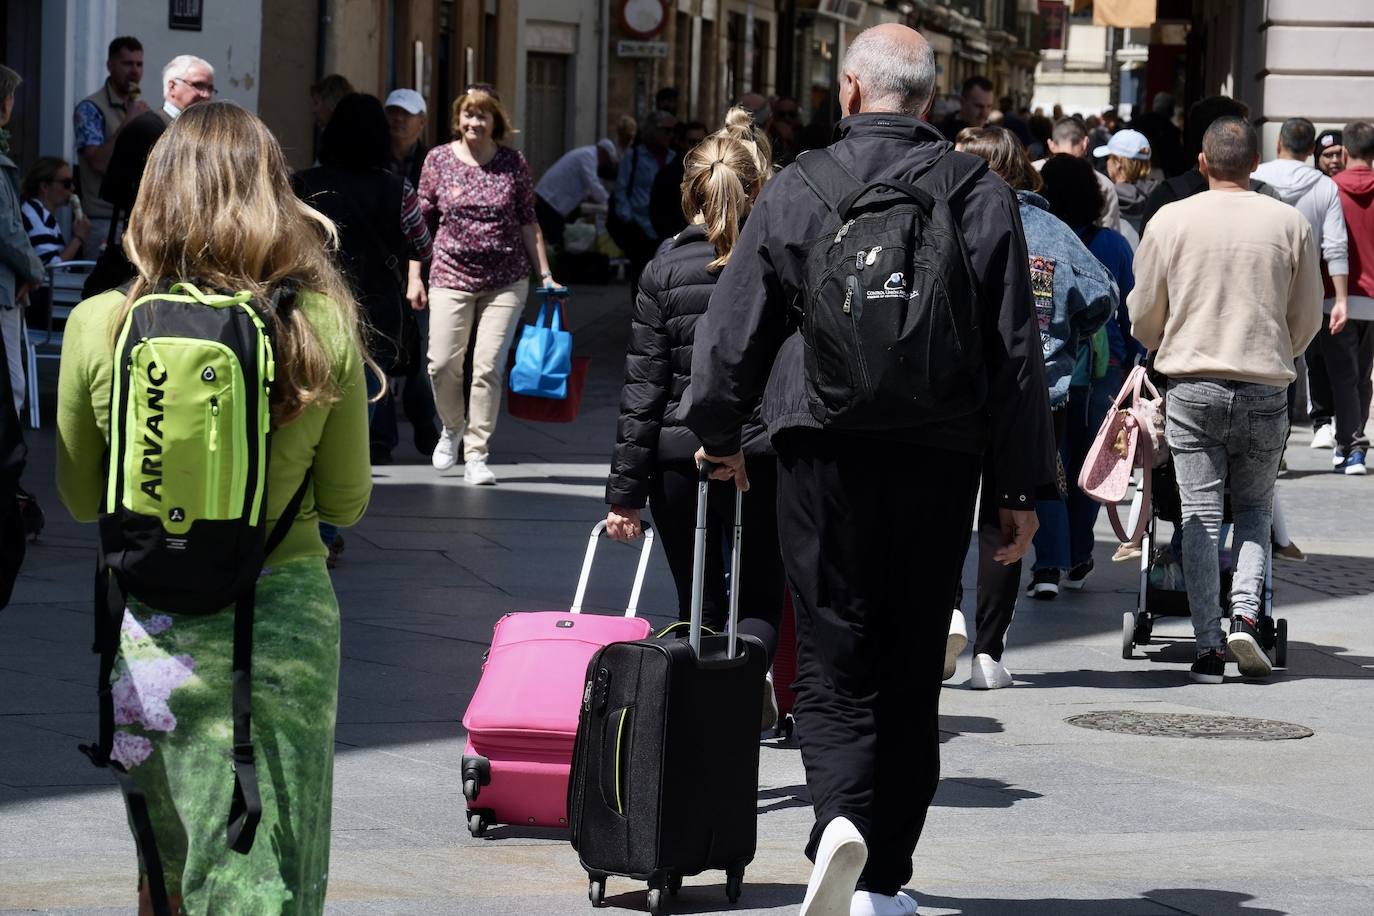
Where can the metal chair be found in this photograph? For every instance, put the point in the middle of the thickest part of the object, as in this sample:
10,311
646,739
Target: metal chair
65,280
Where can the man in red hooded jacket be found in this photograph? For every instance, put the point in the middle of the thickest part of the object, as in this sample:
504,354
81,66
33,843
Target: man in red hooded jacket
1347,340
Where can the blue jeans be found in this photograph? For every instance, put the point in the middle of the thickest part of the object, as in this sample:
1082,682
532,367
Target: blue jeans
1066,537
1225,433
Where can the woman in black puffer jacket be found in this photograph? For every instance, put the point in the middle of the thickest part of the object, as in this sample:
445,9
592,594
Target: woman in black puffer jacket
654,451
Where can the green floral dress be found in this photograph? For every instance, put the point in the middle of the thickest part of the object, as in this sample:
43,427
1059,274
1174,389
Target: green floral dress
173,734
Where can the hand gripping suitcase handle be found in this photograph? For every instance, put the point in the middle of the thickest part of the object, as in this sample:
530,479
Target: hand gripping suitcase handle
699,565
591,555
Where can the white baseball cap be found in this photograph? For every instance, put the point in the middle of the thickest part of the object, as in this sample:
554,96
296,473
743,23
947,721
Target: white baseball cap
1128,144
406,99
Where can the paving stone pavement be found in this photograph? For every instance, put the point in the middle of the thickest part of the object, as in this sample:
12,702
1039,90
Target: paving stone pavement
1034,816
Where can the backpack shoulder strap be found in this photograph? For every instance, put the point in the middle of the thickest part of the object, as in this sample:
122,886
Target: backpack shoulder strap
952,175
826,178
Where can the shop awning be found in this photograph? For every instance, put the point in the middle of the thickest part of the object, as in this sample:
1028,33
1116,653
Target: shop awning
1121,14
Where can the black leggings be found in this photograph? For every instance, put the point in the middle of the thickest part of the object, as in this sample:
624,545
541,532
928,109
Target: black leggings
673,500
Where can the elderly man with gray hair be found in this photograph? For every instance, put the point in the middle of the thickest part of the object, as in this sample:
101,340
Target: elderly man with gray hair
186,80
875,514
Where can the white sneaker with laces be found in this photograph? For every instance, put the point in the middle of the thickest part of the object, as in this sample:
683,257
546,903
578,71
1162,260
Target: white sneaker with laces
988,673
446,451
958,639
478,474
1324,437
867,903
840,858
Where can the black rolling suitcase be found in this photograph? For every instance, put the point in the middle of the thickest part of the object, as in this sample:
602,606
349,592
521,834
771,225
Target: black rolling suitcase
665,769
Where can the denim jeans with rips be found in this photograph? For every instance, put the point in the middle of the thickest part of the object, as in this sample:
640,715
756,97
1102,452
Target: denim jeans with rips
1224,433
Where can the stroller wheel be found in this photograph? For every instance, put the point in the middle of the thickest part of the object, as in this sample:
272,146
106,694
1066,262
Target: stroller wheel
1281,643
1128,635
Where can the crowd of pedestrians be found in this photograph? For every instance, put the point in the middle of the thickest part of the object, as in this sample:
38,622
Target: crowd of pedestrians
1055,255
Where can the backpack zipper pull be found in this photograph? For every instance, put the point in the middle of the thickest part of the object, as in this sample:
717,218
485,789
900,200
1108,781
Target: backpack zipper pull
848,295
214,424
843,229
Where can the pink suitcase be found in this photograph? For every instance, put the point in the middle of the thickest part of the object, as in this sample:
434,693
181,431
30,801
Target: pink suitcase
522,719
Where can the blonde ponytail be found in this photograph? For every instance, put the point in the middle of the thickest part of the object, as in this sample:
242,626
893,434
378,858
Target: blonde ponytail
721,176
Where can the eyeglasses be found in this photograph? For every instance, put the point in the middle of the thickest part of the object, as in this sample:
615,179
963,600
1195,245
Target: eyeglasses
201,87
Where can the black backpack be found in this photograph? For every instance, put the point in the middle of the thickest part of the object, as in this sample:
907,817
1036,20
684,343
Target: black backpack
890,309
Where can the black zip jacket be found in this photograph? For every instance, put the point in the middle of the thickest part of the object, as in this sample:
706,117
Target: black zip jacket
673,293
748,343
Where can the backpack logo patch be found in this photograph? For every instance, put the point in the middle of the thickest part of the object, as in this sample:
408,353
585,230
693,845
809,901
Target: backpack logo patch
151,468
894,287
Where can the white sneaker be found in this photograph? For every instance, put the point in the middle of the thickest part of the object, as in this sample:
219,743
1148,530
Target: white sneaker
1324,437
958,638
770,704
478,474
988,673
867,903
446,451
840,859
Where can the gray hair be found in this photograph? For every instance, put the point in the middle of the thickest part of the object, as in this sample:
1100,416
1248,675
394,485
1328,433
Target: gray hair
891,74
9,82
179,66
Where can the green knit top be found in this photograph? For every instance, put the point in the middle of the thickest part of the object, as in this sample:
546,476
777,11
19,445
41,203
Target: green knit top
332,440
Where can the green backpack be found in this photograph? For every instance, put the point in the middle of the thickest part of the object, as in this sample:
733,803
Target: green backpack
183,527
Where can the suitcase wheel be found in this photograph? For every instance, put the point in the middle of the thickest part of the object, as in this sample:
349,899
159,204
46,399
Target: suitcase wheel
786,726
1281,643
655,901
470,789
596,892
1127,634
674,885
734,885
478,823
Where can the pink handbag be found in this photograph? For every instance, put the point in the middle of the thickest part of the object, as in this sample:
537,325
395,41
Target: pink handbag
1130,437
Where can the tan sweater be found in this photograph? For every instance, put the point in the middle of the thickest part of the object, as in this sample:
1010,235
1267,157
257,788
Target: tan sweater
1227,285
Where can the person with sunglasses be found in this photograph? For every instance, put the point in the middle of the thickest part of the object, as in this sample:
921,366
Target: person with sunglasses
48,187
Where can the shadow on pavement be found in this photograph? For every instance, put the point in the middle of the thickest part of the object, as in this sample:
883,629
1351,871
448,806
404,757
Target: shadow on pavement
710,898
961,792
954,726
1193,901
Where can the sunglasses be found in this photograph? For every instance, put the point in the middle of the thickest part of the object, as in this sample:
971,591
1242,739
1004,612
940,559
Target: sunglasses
483,87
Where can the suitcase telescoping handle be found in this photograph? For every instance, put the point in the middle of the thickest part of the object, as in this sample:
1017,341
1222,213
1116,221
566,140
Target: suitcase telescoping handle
699,565
591,555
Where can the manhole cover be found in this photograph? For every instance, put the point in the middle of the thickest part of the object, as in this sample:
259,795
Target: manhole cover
1189,725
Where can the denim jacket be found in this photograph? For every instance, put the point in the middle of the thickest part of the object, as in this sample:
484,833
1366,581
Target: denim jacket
18,263
1074,294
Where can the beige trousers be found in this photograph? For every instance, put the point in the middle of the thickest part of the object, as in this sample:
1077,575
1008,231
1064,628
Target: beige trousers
454,317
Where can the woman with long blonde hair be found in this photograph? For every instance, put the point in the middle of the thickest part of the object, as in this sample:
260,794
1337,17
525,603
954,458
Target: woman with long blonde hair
216,206
653,459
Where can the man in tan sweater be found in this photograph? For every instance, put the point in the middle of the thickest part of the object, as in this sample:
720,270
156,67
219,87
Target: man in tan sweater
1228,290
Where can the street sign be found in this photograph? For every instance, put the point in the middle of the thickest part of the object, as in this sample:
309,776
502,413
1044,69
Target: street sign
626,48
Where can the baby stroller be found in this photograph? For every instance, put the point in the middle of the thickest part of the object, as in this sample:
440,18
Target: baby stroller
1161,582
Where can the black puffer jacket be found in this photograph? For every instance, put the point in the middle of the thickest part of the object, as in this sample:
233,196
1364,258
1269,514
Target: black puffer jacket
674,291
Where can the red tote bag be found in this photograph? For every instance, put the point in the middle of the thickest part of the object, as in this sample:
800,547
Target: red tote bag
550,410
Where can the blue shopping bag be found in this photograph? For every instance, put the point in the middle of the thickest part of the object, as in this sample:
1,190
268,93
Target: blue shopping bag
543,355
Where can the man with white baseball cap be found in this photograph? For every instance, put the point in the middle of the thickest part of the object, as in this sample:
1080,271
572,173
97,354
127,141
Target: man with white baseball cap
578,175
1128,166
406,112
